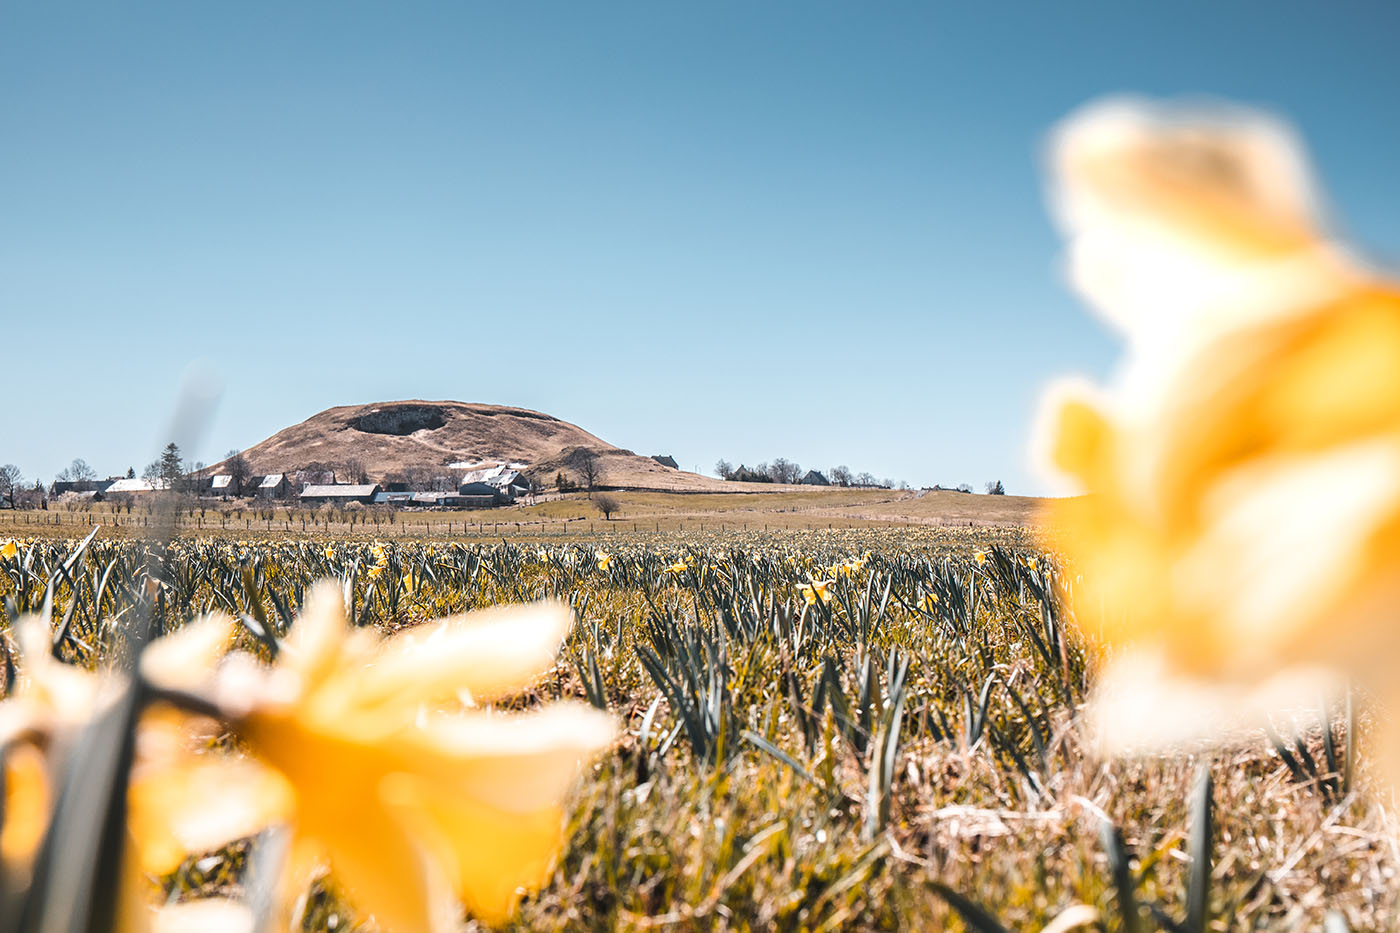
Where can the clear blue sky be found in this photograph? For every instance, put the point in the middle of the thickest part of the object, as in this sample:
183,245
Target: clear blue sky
809,230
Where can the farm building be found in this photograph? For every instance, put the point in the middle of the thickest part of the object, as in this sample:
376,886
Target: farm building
813,478
271,486
459,501
394,497
500,482
221,485
340,494
59,487
666,460
131,486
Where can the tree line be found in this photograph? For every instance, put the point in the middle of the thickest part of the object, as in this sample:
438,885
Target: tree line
783,470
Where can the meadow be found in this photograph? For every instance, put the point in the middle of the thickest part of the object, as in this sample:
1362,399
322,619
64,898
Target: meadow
845,728
554,514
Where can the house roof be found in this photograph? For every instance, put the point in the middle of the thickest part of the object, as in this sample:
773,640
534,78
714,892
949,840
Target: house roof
132,485
222,481
341,491
666,460
270,481
498,477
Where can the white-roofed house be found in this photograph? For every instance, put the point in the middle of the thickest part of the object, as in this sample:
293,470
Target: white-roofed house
272,486
340,494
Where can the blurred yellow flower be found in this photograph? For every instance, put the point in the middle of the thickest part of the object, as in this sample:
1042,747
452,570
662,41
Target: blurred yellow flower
53,701
1243,475
8,550
604,560
980,556
26,805
410,801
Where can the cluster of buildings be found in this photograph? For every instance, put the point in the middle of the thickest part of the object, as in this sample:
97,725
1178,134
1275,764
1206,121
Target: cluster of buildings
482,486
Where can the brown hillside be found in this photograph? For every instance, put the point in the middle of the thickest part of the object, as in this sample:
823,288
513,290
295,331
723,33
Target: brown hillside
390,437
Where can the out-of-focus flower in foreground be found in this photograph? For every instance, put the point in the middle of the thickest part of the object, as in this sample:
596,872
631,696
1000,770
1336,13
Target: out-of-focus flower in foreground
361,746
413,802
1242,516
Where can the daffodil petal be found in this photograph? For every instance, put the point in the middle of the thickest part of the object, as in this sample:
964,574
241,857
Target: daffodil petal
27,800
199,805
485,876
513,762
311,648
184,659
488,653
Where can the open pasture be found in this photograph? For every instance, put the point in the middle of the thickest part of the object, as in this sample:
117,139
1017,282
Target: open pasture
553,515
845,729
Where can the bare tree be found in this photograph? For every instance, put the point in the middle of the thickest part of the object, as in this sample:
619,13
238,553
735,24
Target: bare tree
964,487
784,471
356,472
724,469
995,488
607,505
866,479
10,480
238,468
586,462
419,478
151,473
78,472
841,475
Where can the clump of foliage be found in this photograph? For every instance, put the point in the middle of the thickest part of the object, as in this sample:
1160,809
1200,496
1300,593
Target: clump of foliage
822,730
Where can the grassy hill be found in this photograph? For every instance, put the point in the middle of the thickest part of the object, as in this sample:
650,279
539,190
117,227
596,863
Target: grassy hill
394,437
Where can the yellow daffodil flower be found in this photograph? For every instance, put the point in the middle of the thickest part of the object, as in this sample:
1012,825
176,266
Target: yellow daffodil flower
979,556
1243,474
604,560
410,802
54,701
679,566
816,590
8,550
330,552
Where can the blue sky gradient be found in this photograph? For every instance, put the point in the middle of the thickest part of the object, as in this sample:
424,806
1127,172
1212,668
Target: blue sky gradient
810,230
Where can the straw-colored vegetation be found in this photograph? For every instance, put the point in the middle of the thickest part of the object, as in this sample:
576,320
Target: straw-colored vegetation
898,748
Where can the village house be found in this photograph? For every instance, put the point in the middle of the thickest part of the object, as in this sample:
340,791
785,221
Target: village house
501,483
666,460
340,494
132,486
813,478
271,486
